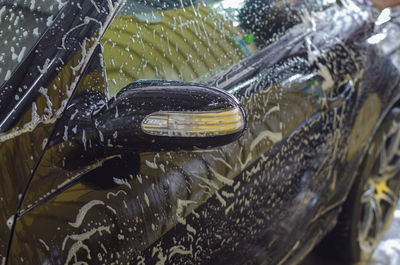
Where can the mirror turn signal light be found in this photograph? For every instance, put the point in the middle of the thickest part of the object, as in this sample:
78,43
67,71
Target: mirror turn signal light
194,124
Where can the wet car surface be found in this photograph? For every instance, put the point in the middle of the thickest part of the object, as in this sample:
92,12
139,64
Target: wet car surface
196,132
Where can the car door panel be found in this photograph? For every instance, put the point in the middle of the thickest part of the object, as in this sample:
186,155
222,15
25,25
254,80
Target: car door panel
250,208
155,204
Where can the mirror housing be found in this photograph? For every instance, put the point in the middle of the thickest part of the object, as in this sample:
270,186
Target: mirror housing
155,115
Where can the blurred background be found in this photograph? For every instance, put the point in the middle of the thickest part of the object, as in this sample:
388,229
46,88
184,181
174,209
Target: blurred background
387,253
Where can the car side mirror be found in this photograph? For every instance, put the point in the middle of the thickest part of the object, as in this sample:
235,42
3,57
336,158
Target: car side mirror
154,115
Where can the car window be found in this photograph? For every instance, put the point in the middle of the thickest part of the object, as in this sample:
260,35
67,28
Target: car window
186,43
191,40
22,23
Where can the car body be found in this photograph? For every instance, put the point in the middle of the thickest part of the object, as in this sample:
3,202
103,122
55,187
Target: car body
315,80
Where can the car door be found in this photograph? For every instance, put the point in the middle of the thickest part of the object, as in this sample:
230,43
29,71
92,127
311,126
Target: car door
256,199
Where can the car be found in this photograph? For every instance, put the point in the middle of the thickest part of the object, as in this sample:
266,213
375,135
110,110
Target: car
196,131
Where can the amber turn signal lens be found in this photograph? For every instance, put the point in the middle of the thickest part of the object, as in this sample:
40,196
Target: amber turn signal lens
194,124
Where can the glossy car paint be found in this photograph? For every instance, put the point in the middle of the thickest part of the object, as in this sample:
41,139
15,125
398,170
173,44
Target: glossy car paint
267,198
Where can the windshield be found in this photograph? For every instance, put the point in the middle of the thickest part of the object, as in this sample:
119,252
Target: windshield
22,22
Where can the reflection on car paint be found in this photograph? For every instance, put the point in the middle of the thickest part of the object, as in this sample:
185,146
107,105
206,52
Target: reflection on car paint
203,197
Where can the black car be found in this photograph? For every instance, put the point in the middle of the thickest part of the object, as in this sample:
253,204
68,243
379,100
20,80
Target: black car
196,131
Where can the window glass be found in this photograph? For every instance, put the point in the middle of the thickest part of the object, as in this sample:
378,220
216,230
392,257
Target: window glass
190,40
21,24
